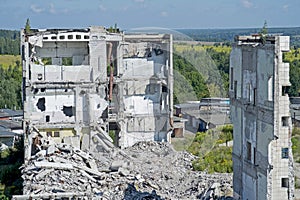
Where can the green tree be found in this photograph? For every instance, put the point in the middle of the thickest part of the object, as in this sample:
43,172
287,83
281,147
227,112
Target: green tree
226,134
264,30
10,173
9,42
218,158
294,78
27,26
192,77
221,60
10,87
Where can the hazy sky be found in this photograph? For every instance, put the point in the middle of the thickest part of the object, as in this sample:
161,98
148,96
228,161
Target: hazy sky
130,14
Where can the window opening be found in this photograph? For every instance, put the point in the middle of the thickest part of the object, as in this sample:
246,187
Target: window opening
56,134
249,151
68,111
284,153
41,104
47,118
285,182
285,121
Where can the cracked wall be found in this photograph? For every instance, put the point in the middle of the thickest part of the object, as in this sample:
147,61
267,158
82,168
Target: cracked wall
145,89
80,83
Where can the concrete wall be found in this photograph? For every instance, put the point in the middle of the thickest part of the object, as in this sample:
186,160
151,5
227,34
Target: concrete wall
260,114
144,99
68,86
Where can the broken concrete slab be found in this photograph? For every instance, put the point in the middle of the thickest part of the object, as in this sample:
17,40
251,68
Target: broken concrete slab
43,173
53,165
89,170
85,144
123,172
115,165
51,149
92,164
87,175
64,147
74,141
58,195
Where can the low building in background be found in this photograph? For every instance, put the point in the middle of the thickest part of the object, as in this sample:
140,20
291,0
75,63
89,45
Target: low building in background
262,153
178,127
7,138
10,127
207,114
295,111
8,114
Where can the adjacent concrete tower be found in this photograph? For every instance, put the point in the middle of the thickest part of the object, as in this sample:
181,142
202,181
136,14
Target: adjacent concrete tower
262,155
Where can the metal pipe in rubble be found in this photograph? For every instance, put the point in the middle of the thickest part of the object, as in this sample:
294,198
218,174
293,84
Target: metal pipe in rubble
111,76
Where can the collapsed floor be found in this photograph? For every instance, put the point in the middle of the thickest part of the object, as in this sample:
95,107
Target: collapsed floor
147,170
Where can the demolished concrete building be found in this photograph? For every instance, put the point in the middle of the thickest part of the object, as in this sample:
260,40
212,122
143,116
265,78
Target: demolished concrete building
262,154
78,84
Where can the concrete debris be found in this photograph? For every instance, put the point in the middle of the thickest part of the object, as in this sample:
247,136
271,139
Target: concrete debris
147,170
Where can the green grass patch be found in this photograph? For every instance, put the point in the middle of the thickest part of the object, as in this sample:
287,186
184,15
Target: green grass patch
182,144
212,157
218,159
1,188
2,195
292,55
296,144
296,148
10,173
296,131
297,182
4,154
9,60
179,48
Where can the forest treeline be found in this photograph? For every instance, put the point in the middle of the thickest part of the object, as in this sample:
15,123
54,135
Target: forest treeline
11,86
9,42
227,35
10,39
204,68
199,71
212,62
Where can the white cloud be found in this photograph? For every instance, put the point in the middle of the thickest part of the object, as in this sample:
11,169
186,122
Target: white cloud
102,8
36,9
125,8
164,14
247,4
286,7
52,9
141,3
66,10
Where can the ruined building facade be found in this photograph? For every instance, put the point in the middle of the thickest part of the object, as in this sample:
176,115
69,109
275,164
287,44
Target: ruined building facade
262,154
79,84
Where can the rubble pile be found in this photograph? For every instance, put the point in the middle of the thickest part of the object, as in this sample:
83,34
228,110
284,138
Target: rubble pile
147,170
170,173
